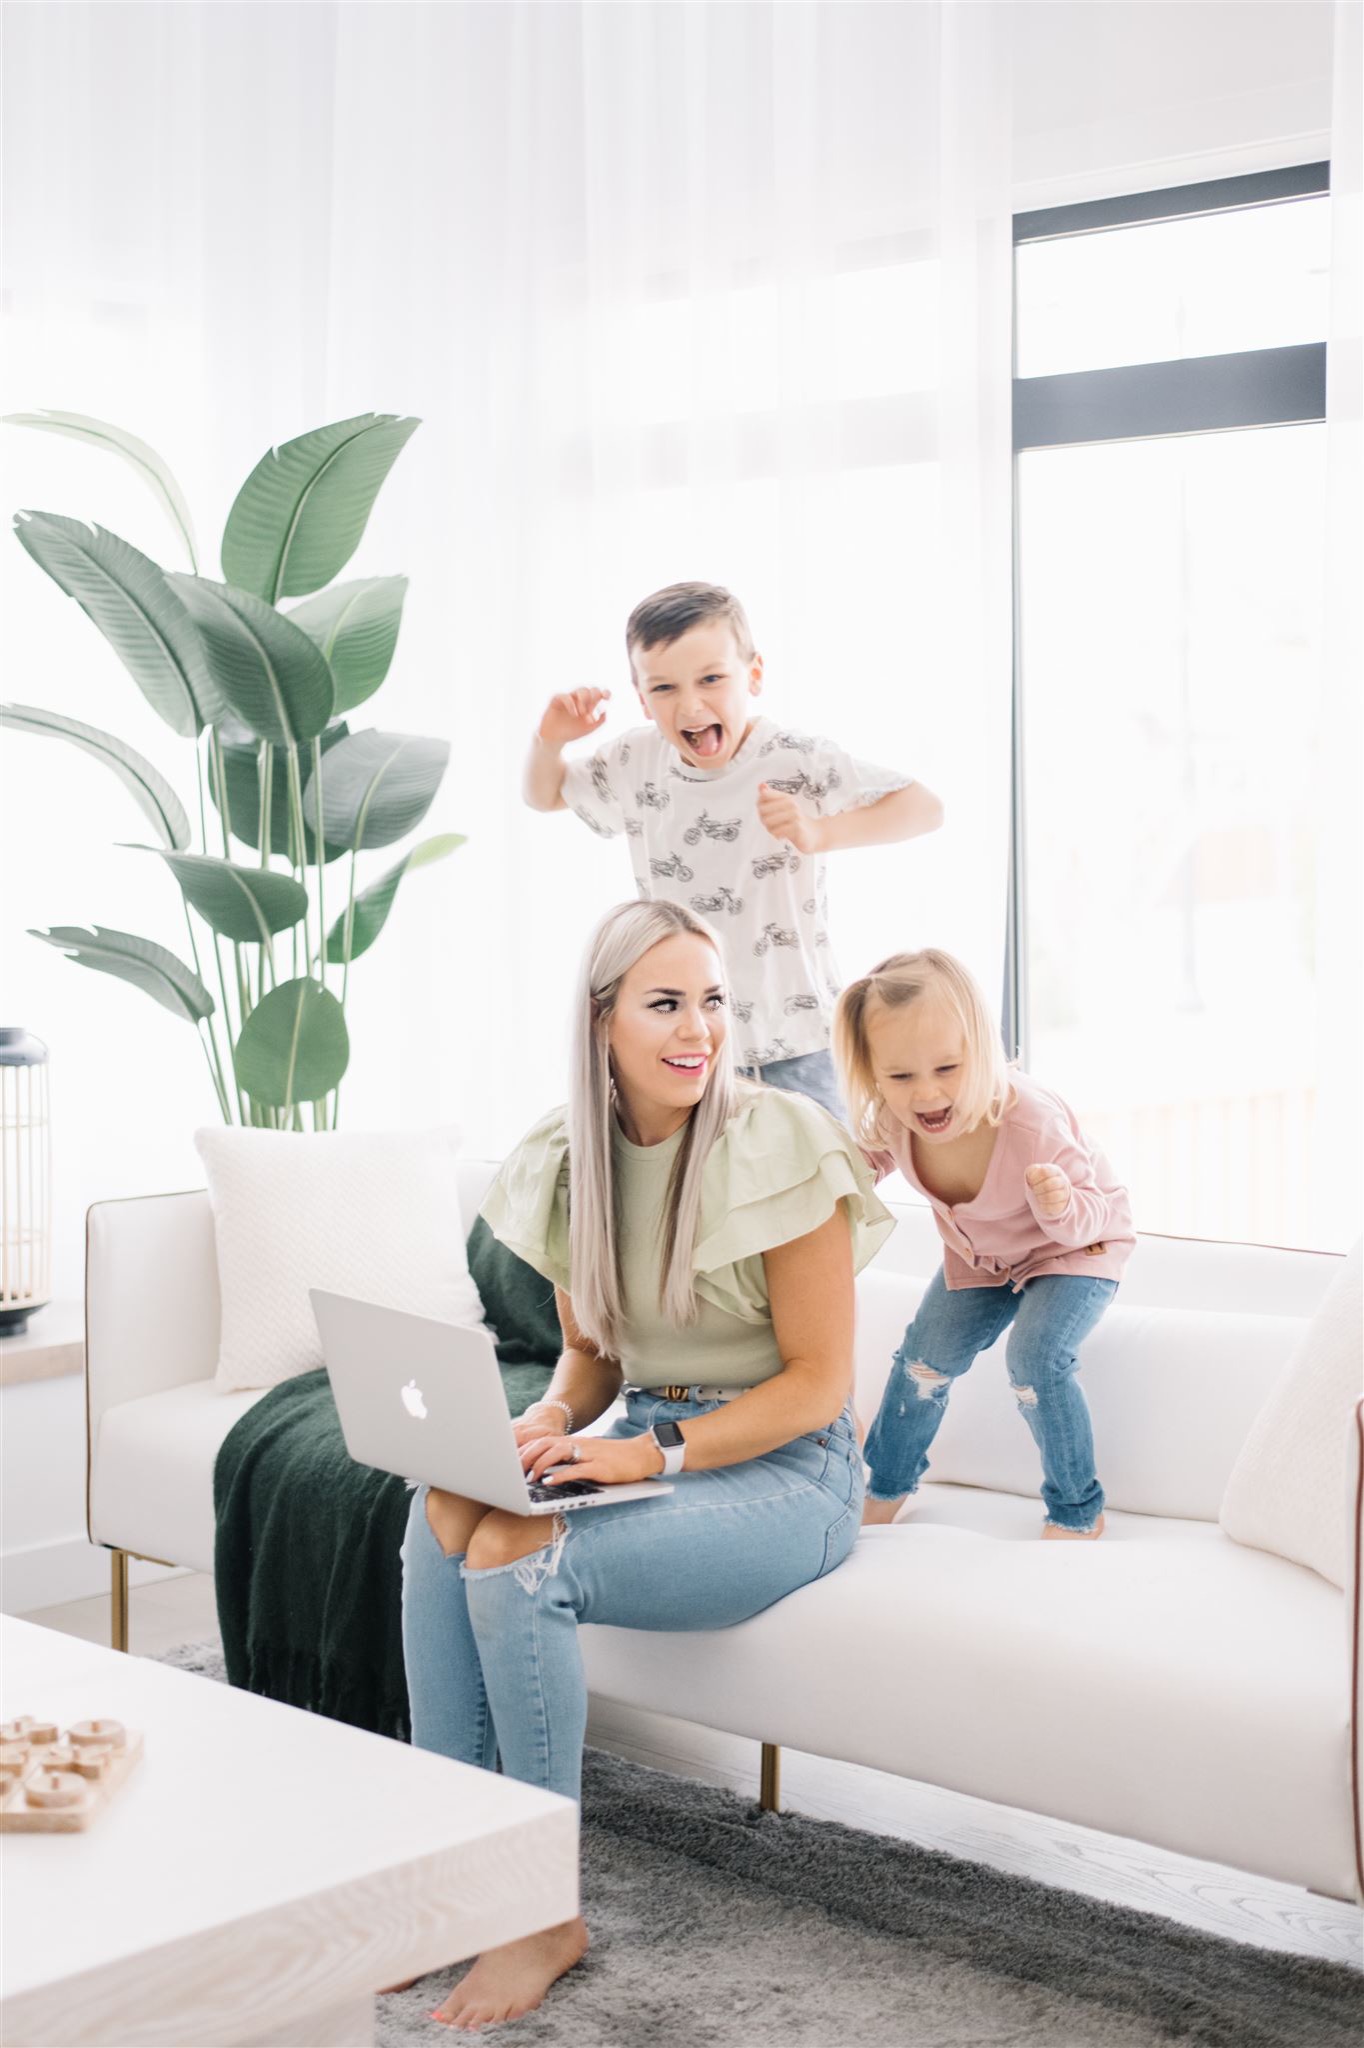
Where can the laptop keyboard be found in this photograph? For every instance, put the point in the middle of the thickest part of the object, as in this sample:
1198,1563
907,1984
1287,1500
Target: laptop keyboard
539,1491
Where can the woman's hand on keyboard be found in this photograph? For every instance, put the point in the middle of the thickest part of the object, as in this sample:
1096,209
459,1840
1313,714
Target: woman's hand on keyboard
610,1460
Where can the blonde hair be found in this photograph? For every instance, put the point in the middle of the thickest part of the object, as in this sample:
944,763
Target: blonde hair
624,936
987,1089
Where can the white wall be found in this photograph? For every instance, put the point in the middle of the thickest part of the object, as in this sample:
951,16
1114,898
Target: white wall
1108,96
1120,95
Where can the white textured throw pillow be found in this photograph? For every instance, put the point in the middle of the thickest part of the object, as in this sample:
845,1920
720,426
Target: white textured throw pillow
369,1213
1287,1489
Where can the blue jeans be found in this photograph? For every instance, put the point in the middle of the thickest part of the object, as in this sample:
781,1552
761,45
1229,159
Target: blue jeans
809,1073
493,1661
1051,1319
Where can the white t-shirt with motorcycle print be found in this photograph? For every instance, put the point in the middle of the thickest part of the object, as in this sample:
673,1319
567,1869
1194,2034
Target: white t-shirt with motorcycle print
695,837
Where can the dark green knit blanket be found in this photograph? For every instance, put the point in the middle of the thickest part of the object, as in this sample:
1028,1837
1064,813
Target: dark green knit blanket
306,1561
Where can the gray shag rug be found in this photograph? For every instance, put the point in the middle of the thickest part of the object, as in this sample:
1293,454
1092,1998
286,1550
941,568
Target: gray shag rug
717,1926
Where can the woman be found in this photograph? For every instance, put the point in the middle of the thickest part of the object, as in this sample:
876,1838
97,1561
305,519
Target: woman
707,1271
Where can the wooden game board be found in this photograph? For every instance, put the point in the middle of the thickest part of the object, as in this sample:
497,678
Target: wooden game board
55,1781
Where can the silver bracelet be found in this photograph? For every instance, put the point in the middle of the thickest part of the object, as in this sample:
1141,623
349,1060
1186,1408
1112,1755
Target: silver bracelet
567,1412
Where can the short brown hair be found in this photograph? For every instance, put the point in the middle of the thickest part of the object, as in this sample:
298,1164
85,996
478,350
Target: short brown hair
659,620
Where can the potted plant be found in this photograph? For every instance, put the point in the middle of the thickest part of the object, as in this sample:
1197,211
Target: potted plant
294,797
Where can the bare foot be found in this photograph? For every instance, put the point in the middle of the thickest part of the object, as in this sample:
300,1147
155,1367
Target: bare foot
508,1982
1052,1529
876,1514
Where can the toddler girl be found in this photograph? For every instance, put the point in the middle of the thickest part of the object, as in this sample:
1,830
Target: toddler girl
1036,1229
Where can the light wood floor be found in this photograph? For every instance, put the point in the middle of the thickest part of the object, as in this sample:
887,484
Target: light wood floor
1201,1895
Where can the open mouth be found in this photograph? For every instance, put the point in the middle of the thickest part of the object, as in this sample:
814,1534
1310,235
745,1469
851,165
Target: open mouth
935,1121
687,1063
705,741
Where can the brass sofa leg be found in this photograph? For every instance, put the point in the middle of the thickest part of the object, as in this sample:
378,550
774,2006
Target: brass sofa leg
118,1621
769,1794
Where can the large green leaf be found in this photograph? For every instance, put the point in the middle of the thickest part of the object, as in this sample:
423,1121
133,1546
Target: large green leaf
241,775
370,910
356,626
268,671
246,904
298,518
152,791
294,1046
131,601
176,987
148,464
375,787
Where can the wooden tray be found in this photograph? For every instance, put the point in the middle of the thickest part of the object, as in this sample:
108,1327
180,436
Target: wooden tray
55,1781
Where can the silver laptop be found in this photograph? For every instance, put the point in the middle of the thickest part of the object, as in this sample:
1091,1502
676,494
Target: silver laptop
424,1399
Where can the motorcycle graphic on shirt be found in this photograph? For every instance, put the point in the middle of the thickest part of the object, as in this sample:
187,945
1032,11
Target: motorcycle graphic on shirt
673,869
816,787
785,862
727,829
722,900
763,1055
776,935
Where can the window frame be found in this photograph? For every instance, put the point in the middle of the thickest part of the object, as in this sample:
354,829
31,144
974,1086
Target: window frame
1139,401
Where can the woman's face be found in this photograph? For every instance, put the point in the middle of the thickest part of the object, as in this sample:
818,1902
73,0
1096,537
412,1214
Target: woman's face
669,1026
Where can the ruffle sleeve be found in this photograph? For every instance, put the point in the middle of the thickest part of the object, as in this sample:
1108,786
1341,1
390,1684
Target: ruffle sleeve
778,1171
526,1208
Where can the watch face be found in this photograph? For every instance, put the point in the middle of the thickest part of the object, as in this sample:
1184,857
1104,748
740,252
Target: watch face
668,1436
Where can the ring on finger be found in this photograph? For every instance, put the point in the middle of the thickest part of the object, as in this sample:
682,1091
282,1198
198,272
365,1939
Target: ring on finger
577,1453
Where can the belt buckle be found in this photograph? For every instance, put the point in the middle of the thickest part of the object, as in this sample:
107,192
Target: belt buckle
677,1393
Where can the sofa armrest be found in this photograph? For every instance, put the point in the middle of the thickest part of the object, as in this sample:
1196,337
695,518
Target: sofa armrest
1354,1631
151,1299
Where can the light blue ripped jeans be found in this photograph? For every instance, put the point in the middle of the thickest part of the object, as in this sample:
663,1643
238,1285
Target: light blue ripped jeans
1051,1318
493,1661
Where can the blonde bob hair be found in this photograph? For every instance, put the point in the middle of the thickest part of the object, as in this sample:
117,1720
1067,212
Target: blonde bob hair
987,1090
624,936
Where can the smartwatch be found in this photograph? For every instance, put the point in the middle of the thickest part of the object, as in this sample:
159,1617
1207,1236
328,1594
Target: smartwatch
670,1440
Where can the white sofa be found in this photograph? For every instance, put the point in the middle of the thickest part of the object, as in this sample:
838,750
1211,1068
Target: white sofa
1165,1683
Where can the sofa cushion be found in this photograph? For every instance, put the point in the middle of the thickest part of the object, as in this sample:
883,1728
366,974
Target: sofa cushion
373,1214
151,1478
1185,1691
1287,1490
1172,1391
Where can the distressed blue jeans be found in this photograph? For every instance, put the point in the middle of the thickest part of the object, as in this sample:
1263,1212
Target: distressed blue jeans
1051,1319
493,1661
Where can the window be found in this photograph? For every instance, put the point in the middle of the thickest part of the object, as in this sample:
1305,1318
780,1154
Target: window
1169,491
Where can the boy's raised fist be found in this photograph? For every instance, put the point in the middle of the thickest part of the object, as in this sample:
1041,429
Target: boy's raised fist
1050,1188
785,819
572,716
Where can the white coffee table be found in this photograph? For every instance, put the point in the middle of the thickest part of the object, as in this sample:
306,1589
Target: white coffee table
262,1873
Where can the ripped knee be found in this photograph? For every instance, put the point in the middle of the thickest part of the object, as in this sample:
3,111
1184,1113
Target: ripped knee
529,1549
928,1383
447,1517
1026,1397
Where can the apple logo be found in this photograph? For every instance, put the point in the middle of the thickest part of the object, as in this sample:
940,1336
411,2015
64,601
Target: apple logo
413,1402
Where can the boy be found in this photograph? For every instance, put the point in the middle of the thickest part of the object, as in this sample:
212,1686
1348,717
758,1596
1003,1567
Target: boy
728,813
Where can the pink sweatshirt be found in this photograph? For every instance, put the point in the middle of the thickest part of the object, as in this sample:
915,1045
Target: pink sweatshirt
1002,1235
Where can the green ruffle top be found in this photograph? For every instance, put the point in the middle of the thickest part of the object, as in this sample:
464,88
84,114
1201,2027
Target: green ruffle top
776,1172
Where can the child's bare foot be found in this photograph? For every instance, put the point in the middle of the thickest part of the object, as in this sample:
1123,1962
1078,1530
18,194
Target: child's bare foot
508,1982
1078,1535
876,1514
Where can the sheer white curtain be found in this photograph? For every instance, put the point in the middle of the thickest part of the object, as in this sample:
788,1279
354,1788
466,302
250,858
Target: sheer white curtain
1340,838
716,291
